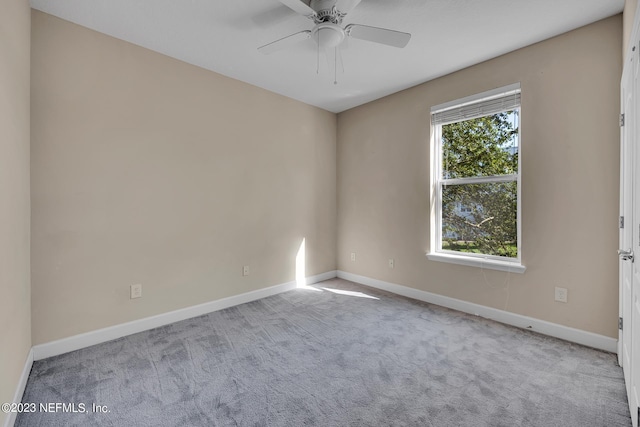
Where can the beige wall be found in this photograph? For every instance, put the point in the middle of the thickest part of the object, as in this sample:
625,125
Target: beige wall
15,305
570,106
630,7
149,170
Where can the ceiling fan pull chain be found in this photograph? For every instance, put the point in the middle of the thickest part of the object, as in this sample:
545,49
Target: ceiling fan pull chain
335,65
318,58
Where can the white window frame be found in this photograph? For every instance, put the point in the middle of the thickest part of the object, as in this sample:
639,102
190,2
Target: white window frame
453,112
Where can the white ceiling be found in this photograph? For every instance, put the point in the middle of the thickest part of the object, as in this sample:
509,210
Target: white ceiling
222,36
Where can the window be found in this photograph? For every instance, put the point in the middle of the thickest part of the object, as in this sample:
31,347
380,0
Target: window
476,180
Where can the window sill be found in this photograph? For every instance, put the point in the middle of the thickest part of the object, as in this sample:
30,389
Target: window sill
491,264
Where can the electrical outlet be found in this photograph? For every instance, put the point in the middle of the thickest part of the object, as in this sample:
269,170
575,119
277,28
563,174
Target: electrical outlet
391,263
136,291
353,256
245,270
561,294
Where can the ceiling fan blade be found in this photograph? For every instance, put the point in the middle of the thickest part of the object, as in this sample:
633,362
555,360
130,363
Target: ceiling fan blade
299,6
272,17
285,42
346,6
378,35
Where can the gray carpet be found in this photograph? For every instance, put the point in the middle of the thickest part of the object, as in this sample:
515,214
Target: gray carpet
320,358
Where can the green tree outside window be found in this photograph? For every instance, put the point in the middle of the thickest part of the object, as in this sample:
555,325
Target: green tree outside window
480,217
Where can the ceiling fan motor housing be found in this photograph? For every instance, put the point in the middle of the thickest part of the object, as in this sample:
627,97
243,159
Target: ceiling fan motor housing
326,11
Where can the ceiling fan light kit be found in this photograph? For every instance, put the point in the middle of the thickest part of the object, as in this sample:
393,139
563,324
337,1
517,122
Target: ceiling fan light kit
327,35
328,32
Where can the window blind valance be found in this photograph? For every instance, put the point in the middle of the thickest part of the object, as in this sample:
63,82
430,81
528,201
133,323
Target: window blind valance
479,107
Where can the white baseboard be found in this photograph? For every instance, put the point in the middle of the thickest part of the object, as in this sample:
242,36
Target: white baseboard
22,384
541,326
76,342
322,277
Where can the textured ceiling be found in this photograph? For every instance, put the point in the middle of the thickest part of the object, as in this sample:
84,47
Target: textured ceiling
222,36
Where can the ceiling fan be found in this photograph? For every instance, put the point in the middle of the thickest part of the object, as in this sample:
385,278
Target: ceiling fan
328,32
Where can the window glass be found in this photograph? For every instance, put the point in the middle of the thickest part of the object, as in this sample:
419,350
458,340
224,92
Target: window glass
484,146
481,218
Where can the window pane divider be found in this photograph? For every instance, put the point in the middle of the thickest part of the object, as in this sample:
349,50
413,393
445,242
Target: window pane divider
480,179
